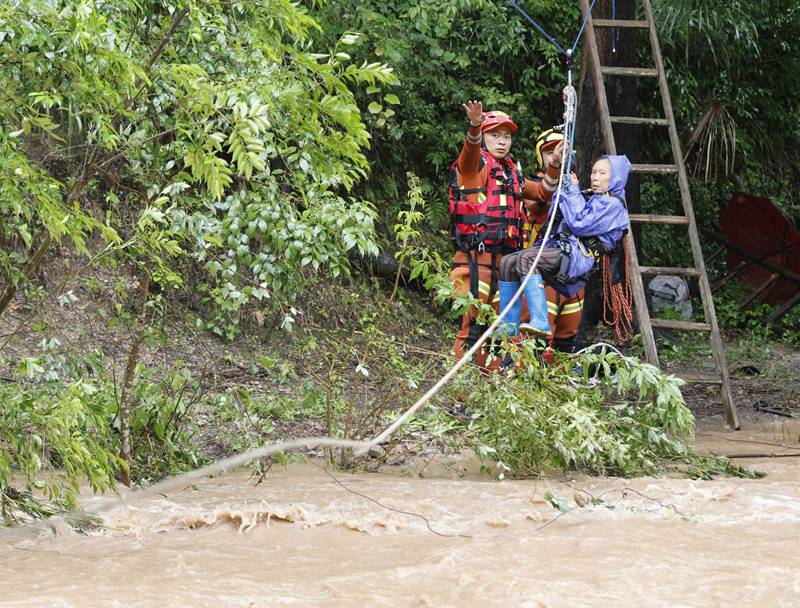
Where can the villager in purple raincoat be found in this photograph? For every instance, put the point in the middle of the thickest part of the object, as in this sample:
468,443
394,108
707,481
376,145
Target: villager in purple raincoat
585,230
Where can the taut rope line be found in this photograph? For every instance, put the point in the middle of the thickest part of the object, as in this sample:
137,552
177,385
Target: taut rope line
360,447
570,101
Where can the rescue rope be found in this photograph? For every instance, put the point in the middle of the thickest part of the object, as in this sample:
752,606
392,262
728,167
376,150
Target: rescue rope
613,29
541,30
360,447
583,26
594,380
618,299
568,53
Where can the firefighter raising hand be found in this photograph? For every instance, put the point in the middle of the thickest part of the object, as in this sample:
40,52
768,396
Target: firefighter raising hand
474,110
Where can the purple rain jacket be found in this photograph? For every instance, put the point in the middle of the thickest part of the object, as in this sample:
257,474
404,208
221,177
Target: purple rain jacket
601,216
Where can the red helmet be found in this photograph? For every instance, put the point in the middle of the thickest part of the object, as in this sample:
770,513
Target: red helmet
496,119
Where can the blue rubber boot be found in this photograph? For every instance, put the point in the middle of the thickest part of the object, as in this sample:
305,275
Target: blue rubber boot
537,306
509,326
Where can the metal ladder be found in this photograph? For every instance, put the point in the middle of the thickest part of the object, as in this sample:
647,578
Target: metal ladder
646,324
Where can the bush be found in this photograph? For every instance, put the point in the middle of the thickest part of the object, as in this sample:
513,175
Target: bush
54,431
629,424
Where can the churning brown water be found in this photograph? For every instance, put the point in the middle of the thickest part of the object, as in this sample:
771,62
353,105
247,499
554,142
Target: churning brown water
300,539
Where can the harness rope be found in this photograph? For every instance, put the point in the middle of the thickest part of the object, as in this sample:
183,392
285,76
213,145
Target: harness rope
549,38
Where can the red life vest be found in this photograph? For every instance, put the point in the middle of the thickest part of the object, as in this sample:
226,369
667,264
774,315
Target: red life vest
494,222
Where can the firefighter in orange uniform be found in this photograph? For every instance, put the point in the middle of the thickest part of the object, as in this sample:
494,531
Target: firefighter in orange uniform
564,313
487,217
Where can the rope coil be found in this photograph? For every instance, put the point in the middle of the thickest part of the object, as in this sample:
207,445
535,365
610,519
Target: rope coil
618,299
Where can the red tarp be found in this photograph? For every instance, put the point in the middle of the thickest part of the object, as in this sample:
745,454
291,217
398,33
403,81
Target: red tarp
756,225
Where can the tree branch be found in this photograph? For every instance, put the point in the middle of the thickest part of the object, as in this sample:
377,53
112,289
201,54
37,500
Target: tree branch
126,400
176,21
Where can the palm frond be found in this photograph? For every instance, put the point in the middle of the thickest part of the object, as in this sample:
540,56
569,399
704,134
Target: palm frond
712,144
717,24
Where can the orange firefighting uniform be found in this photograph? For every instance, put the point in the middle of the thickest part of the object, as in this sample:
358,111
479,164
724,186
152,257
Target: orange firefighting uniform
471,175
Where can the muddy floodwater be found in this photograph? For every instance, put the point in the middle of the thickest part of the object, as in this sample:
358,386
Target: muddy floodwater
457,539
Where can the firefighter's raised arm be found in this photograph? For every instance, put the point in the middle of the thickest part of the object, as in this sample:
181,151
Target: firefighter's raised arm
469,159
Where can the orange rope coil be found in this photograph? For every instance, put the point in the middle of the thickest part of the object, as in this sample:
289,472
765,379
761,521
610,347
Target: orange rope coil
618,299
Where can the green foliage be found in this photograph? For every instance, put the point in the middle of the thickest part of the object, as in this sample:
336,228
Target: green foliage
60,421
733,68
708,467
754,318
233,148
248,419
629,425
725,32
161,431
33,207
445,53
53,432
277,244
211,149
628,418
362,363
684,347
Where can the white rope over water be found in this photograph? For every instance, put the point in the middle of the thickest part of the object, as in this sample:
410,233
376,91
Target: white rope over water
360,447
570,103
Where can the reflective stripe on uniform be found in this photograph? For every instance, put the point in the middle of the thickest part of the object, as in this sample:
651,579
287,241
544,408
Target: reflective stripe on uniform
572,308
567,309
484,289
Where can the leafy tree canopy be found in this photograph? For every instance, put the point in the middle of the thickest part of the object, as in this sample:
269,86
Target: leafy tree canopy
217,125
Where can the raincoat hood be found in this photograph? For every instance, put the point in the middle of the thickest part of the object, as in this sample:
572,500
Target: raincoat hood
620,168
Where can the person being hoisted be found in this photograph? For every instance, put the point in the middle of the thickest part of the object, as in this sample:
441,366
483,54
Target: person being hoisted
585,230
486,213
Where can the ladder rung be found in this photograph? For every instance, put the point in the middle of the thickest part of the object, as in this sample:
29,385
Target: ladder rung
642,218
636,120
654,168
600,75
620,23
674,324
616,71
662,270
